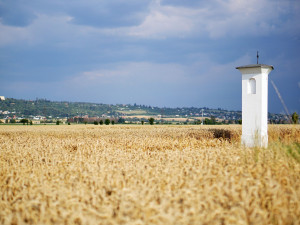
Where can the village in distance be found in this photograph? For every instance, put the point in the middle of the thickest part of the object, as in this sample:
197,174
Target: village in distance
43,111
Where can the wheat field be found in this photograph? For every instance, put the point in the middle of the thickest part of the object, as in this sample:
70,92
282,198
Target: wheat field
122,174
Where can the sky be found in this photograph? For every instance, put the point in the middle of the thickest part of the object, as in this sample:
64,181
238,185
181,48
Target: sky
165,53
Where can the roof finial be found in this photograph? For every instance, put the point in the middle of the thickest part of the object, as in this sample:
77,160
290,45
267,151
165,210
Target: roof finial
257,56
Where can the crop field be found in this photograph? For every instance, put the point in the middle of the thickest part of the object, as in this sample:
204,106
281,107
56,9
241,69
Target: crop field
122,174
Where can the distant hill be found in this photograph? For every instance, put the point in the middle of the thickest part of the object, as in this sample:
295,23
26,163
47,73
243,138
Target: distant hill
47,108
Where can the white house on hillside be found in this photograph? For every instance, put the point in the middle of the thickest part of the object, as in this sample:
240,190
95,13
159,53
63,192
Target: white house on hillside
2,98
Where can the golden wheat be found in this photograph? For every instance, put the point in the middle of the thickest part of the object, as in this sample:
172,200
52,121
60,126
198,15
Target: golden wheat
147,175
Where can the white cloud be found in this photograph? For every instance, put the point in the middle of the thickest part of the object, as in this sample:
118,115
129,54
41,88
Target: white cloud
163,84
10,35
166,21
218,19
134,73
190,74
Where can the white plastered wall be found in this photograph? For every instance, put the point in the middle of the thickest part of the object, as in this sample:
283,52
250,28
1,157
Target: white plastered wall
255,107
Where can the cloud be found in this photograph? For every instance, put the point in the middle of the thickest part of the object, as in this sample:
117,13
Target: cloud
16,13
41,29
48,29
109,14
151,19
164,83
102,14
134,73
190,3
164,22
216,19
10,35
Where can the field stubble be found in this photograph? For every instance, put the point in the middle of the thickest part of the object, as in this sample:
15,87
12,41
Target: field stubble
147,175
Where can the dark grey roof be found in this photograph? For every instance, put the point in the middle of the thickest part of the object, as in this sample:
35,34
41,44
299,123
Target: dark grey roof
255,66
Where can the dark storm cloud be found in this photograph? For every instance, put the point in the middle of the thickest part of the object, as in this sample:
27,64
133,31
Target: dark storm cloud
90,12
16,13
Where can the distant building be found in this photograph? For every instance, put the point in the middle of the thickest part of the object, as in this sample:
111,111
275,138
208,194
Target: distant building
2,98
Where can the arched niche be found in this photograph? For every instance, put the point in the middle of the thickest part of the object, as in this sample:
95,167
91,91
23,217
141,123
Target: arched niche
251,86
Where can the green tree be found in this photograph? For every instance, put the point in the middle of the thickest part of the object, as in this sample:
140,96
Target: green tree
101,122
198,122
121,120
295,118
31,123
207,121
142,122
113,122
24,121
57,122
213,120
107,121
151,120
95,122
12,121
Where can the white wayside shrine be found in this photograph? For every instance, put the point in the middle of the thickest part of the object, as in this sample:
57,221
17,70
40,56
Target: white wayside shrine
255,104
